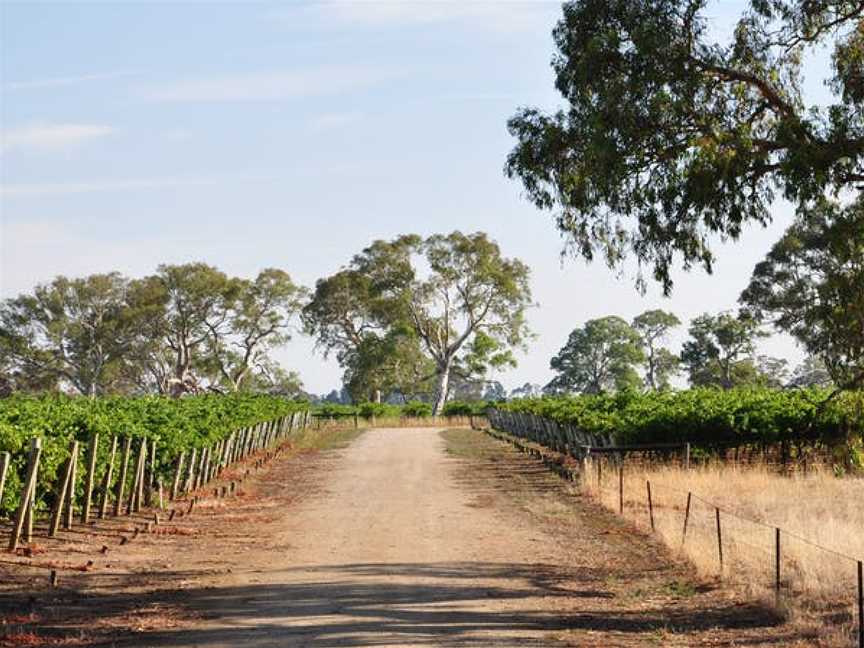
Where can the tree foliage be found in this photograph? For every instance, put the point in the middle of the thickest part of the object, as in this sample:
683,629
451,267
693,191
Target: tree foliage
811,285
720,349
73,331
453,296
661,364
599,357
187,328
671,137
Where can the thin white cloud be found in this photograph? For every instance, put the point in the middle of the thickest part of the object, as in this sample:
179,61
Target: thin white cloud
64,81
332,121
309,82
494,15
134,184
50,137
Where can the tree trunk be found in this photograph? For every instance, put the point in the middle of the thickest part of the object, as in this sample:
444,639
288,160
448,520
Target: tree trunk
442,389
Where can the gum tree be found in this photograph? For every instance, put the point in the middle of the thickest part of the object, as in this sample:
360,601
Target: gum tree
455,295
660,363
811,285
670,138
599,357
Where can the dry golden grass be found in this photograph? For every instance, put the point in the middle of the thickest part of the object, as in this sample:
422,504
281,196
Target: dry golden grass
813,509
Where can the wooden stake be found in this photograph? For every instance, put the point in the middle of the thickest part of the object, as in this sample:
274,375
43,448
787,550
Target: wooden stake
5,460
621,487
60,499
106,481
70,493
777,564
151,475
686,519
124,471
191,475
719,539
91,475
27,492
133,504
650,505
177,475
142,480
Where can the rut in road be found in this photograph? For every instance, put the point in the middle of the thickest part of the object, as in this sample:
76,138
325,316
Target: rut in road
391,552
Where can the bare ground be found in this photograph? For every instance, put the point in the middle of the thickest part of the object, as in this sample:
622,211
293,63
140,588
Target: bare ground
407,537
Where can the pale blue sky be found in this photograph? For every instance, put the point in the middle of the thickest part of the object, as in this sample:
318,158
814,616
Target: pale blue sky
251,135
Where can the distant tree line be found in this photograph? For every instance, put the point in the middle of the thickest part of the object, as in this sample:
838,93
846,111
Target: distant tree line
411,318
610,354
186,328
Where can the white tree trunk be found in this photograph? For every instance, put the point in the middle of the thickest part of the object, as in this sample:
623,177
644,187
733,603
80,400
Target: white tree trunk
442,389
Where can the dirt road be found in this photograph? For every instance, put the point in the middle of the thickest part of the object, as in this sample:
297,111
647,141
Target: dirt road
391,552
407,537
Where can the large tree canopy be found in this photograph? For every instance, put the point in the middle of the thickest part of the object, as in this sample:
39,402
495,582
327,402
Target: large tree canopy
811,285
661,364
187,328
598,357
449,304
720,351
670,137
71,331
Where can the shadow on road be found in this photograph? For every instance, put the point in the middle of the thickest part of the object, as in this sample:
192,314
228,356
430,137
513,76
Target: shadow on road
438,604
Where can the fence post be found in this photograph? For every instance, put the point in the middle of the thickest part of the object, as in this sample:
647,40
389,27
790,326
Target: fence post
176,484
88,484
686,519
27,492
650,505
621,486
151,475
686,456
719,539
189,484
103,504
70,494
860,604
777,564
5,459
132,504
599,473
124,471
65,485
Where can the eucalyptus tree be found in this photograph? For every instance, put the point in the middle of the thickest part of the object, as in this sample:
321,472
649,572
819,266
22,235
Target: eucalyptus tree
69,333
352,317
187,304
811,285
661,364
673,136
454,295
260,314
720,350
599,357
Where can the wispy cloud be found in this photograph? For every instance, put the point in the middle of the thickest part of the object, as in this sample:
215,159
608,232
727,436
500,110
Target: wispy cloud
313,81
332,121
50,137
54,82
133,184
495,15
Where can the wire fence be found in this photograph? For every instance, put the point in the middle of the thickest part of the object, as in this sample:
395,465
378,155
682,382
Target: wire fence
751,554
